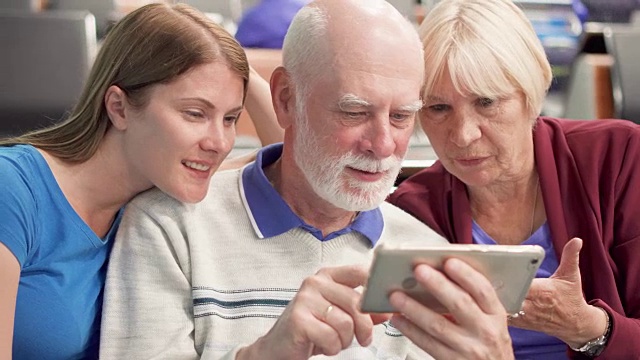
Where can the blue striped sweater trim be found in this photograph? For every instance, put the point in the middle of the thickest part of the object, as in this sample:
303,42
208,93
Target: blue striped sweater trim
241,303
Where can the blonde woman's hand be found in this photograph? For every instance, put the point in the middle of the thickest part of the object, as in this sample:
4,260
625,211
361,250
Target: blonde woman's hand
556,306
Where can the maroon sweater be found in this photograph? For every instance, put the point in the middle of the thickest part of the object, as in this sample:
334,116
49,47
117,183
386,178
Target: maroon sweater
590,180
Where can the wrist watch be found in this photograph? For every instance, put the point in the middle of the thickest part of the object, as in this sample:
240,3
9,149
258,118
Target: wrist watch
595,347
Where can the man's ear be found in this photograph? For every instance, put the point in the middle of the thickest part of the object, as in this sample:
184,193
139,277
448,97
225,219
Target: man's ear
283,97
115,101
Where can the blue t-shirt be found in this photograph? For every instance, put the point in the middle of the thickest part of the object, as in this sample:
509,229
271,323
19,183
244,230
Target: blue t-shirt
62,261
528,344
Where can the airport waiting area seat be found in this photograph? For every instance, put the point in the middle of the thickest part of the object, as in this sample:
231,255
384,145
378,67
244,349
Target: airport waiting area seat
623,43
104,11
589,91
47,59
605,76
18,5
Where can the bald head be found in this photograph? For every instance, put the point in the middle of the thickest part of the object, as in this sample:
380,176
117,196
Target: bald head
326,35
359,15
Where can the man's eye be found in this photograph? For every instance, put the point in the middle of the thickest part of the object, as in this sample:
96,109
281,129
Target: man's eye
401,117
355,114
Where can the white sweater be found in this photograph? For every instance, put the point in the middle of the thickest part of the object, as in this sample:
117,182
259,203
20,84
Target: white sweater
195,281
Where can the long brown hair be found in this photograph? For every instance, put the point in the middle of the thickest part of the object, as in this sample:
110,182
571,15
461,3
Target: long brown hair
153,44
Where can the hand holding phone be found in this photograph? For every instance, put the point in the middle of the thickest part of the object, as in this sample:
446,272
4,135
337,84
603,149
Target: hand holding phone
509,268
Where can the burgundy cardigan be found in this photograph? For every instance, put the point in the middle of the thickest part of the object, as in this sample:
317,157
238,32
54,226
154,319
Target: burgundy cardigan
590,180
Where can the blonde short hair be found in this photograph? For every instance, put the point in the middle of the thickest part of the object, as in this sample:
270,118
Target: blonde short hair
490,49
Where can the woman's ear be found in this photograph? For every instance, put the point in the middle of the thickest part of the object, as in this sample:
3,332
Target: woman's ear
115,101
283,97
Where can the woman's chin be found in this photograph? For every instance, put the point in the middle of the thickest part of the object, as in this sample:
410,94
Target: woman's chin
189,196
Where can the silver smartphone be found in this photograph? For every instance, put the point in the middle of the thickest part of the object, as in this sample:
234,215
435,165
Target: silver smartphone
510,268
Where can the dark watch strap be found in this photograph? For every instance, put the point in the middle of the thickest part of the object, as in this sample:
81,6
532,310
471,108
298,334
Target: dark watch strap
596,346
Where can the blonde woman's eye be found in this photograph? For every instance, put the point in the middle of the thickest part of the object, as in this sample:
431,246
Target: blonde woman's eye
438,107
486,102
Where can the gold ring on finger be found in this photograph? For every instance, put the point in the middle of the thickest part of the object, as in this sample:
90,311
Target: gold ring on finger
326,312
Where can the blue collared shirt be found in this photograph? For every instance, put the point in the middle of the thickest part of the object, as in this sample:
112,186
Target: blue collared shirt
272,216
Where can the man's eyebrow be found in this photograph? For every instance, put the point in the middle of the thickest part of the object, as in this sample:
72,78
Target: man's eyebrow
413,107
351,101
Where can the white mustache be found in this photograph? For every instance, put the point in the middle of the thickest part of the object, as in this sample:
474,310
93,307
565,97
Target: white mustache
364,163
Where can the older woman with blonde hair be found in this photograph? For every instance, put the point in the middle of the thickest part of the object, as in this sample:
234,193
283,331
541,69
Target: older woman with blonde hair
159,109
505,175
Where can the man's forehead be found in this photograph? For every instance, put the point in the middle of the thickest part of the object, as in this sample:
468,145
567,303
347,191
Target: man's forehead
354,70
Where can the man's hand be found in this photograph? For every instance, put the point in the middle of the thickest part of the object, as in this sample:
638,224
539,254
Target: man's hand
323,318
474,328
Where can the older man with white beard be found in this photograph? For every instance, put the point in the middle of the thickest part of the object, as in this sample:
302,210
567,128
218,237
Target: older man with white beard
268,266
